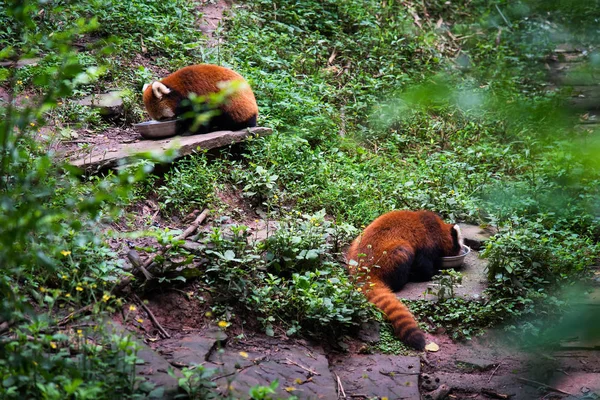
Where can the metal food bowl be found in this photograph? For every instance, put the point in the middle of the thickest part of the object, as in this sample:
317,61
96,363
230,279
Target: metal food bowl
157,129
456,261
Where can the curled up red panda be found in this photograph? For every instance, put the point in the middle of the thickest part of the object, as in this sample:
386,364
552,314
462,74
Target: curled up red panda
169,98
397,247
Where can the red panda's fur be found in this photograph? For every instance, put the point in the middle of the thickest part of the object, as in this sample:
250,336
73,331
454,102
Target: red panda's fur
163,99
397,246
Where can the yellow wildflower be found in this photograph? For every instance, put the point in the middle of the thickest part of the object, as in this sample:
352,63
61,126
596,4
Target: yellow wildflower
140,320
79,289
65,252
105,298
19,82
243,354
53,345
68,295
43,289
223,324
32,123
79,332
132,308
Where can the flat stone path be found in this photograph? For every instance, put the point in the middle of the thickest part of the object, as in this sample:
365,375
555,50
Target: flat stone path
183,145
379,376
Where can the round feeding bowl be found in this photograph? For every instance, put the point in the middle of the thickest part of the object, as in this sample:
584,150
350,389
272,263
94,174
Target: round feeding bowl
456,261
157,129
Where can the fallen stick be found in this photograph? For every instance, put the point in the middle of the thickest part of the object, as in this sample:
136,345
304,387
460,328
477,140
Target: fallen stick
74,313
161,330
147,265
341,393
192,228
183,236
543,385
301,366
494,371
496,395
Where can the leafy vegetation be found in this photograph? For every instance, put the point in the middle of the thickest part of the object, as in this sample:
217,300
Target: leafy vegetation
373,109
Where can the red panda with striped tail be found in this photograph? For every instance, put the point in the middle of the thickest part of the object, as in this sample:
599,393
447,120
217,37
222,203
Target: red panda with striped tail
397,247
168,98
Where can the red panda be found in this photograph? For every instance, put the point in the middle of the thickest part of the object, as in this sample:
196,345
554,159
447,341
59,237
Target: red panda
396,247
167,98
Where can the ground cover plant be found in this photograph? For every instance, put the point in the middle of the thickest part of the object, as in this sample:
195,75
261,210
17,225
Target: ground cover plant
373,109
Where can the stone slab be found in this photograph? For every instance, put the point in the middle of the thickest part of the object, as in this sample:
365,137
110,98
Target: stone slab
194,349
183,145
154,367
585,97
578,383
473,284
300,372
476,383
379,376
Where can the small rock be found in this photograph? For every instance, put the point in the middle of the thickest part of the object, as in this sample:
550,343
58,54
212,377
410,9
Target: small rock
369,332
21,63
478,364
110,104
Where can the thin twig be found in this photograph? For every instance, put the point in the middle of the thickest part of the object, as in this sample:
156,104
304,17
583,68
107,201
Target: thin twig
74,313
161,330
183,236
543,385
147,266
341,393
254,363
503,17
494,371
496,395
301,366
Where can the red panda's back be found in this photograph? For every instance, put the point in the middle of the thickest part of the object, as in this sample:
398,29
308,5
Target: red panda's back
200,79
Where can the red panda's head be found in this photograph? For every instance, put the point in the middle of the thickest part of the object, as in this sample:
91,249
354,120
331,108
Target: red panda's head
158,102
457,239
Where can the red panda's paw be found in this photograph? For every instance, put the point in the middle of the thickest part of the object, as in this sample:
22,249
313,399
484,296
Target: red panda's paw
415,339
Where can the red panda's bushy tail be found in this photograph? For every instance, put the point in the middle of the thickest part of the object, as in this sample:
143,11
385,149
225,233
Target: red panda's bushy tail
400,317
